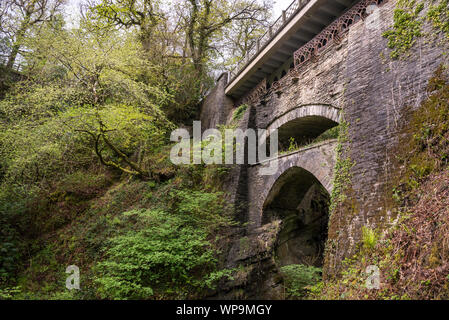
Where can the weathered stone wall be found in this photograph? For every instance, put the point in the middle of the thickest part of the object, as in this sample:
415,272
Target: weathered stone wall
318,83
377,89
216,107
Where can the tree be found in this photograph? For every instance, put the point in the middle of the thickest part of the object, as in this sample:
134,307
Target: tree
241,35
118,102
143,14
194,25
17,17
207,21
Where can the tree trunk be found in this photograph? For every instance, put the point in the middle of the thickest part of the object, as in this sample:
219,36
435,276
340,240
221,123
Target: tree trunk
18,41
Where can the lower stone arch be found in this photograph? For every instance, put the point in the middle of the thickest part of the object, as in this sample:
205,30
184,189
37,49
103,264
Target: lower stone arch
300,203
298,172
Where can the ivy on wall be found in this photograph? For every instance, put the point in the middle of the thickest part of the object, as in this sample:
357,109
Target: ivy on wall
343,165
409,18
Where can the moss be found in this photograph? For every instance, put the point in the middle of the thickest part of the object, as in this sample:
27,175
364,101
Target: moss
239,112
412,253
344,205
342,175
424,146
244,246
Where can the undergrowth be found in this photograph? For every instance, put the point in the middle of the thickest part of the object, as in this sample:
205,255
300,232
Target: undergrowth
131,239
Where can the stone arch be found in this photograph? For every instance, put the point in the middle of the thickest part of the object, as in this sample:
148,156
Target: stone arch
318,160
305,123
301,205
298,197
310,110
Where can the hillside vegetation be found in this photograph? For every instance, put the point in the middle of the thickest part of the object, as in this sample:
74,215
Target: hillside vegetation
86,113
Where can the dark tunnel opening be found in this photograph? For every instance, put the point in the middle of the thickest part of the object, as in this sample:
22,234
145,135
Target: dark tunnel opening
305,130
301,203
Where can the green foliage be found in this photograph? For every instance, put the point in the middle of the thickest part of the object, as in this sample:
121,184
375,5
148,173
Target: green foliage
408,23
9,250
200,207
342,170
239,112
293,145
369,238
439,16
329,134
163,258
35,101
83,138
406,28
425,138
410,251
8,293
299,279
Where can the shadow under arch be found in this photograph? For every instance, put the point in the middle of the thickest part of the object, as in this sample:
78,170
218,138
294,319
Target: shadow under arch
301,203
305,123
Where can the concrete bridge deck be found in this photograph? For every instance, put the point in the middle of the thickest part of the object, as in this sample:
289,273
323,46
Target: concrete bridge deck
301,22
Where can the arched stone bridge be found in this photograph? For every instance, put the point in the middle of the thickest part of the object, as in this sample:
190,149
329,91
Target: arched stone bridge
302,165
322,61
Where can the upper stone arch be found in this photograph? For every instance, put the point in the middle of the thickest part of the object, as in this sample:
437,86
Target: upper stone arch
304,124
304,111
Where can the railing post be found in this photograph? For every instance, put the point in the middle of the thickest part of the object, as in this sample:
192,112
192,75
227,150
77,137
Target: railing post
284,17
299,4
258,45
270,31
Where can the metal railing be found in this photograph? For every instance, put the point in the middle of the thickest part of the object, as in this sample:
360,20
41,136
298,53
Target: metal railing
258,45
312,49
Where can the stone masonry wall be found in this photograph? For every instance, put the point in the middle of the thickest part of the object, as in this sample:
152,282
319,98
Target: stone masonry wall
216,107
377,90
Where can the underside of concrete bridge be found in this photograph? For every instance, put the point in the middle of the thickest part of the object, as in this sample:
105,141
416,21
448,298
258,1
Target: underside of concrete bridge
306,21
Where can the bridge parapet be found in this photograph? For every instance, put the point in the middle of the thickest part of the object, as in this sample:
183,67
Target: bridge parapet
269,35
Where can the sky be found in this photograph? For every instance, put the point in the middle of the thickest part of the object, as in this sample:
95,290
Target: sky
279,5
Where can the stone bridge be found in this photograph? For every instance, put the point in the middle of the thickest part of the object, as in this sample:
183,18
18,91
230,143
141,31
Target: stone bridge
296,171
323,62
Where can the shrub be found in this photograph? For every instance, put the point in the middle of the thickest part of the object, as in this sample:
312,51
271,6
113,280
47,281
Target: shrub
163,258
299,278
369,238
